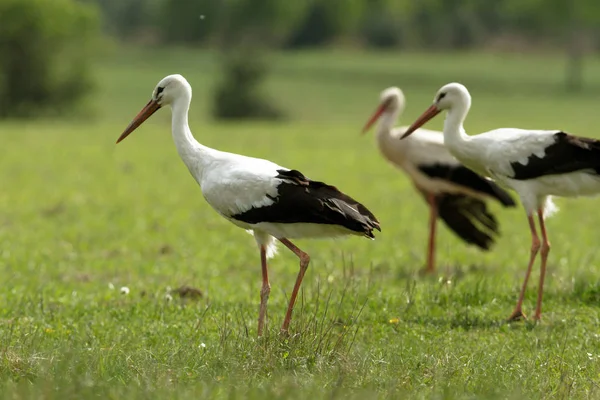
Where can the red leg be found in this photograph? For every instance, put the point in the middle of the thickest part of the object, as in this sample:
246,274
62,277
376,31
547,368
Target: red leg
535,246
433,214
264,292
304,260
544,252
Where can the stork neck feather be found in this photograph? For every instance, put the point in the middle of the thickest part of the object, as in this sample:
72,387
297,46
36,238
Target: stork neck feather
455,137
386,123
461,145
195,155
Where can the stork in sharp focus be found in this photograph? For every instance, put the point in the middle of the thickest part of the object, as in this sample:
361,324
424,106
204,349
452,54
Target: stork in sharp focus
453,192
274,202
537,164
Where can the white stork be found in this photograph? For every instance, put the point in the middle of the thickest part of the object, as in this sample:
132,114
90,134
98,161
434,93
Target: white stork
537,164
272,201
453,191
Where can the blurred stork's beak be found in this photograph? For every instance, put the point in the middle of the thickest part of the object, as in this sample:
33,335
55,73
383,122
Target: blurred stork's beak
139,119
426,116
380,110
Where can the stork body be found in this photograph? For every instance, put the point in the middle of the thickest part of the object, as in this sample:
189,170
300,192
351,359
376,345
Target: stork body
454,193
272,201
537,164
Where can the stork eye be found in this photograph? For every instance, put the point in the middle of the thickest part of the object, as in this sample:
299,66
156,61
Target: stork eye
159,90
441,96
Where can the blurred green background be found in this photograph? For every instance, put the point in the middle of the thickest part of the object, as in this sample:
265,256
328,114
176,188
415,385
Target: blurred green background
53,50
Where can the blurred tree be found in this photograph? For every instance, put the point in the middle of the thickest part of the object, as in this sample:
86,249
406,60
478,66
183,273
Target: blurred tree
243,31
238,96
451,23
566,20
326,20
45,54
384,22
248,29
261,22
185,21
380,29
124,18
314,31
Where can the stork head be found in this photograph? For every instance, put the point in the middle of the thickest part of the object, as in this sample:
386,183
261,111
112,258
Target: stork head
167,91
390,100
449,96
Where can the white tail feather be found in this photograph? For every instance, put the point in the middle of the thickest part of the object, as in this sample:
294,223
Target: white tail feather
549,207
264,239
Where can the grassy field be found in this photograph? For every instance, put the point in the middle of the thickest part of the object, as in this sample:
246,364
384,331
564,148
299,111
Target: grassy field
80,218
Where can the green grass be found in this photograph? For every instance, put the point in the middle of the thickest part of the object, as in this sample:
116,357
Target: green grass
81,217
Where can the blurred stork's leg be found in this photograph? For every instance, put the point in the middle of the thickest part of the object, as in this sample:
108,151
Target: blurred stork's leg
433,214
535,247
304,260
264,291
544,254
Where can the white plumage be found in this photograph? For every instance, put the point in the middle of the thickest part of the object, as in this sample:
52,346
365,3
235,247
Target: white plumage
453,192
537,164
273,202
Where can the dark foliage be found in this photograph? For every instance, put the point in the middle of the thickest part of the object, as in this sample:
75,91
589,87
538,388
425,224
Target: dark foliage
238,95
45,58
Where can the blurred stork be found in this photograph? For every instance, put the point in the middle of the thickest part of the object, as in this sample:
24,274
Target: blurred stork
273,202
454,193
537,164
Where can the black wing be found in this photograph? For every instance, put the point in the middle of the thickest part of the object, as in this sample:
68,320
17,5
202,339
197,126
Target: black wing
469,218
301,200
567,154
463,176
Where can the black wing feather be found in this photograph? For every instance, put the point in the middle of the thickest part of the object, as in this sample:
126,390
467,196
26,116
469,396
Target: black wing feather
567,154
301,200
463,176
469,218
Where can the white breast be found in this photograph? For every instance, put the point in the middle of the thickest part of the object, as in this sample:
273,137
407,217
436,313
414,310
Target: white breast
237,184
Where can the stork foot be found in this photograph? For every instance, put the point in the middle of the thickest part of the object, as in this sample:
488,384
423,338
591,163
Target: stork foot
516,316
284,333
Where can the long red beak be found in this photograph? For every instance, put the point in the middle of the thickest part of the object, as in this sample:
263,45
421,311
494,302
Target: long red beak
426,116
374,117
139,119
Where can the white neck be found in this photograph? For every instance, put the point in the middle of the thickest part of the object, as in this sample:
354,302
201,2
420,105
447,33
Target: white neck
386,122
195,155
456,140
388,142
455,137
